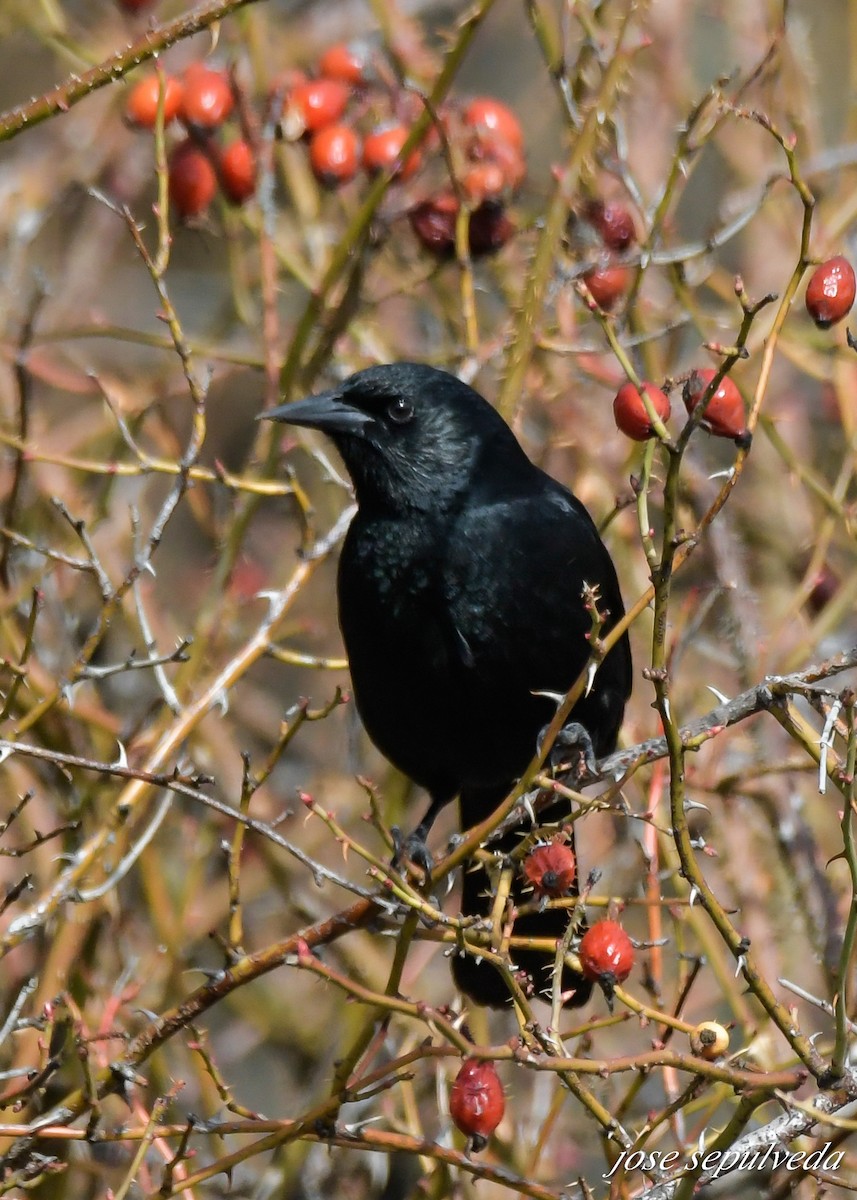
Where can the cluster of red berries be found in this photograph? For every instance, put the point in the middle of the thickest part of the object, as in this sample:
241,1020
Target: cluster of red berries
830,292
351,122
604,229
202,100
724,411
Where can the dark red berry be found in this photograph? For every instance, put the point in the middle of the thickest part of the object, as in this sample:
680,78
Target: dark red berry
318,102
724,414
134,6
606,954
550,869
141,107
207,100
344,62
382,148
486,113
613,223
238,171
433,222
334,154
607,285
476,1101
824,588
192,180
490,228
831,291
629,411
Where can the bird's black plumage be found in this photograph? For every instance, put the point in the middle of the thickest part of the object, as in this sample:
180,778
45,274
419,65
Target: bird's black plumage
460,586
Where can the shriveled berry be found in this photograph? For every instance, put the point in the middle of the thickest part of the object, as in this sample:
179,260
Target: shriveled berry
238,171
382,148
606,954
484,112
433,222
490,228
207,99
550,869
724,414
476,1101
334,154
824,587
141,107
318,102
607,285
192,179
831,291
613,223
344,62
629,411
709,1040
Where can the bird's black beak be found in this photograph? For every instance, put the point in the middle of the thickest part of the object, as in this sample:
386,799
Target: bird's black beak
328,411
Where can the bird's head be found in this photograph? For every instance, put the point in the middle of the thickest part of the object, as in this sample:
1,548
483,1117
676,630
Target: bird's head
411,436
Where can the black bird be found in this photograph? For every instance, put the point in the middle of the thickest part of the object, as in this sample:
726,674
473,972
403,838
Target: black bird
459,589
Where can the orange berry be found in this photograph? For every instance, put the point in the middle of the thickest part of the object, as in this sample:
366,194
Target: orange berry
141,106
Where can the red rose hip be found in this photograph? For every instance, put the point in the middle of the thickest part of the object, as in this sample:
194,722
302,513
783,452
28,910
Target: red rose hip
486,113
629,411
207,100
550,869
345,63
724,414
382,148
192,180
238,171
613,222
831,290
606,954
334,154
318,102
141,107
476,1101
607,285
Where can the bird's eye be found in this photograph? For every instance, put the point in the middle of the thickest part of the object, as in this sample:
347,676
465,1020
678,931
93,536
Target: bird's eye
400,411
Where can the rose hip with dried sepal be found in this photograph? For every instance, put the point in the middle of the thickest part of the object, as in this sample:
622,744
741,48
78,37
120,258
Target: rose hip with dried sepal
709,1040
476,1101
830,292
724,414
550,869
606,955
629,411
